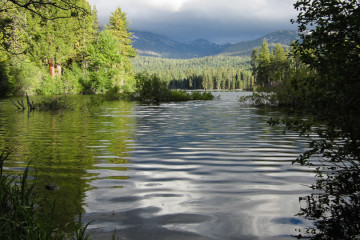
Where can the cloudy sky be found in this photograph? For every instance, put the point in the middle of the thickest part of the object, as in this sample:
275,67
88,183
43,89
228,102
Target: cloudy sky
218,21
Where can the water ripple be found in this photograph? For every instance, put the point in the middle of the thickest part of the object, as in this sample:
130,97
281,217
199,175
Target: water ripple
192,170
215,160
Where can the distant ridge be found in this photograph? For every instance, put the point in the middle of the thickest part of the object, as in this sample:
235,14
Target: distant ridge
150,44
285,38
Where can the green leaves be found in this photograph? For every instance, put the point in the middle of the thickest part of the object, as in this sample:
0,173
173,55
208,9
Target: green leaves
69,8
270,69
217,72
151,89
108,57
334,39
104,61
119,28
52,39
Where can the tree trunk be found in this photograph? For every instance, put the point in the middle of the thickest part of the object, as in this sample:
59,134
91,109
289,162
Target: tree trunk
51,68
58,69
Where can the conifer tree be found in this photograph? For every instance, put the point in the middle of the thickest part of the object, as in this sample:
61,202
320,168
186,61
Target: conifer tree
87,35
264,62
104,63
254,60
119,27
278,63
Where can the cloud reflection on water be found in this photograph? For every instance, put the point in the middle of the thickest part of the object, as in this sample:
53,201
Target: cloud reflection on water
209,170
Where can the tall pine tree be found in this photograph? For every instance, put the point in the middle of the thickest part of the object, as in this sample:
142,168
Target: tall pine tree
119,27
264,63
278,64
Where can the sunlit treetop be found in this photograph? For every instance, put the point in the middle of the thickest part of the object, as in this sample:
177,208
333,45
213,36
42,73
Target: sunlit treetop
119,28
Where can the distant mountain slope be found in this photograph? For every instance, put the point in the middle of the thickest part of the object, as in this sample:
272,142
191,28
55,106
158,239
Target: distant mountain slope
203,48
149,44
285,38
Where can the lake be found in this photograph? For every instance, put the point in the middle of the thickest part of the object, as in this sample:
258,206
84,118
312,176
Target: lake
188,170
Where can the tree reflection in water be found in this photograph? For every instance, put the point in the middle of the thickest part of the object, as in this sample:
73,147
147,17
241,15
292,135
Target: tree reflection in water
334,206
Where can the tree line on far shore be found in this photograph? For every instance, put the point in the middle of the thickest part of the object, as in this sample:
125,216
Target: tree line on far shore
208,73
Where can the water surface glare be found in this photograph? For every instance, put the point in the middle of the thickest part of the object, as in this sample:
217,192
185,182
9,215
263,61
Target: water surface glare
191,170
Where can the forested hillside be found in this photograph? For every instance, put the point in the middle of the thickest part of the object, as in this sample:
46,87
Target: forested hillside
228,69
58,50
218,72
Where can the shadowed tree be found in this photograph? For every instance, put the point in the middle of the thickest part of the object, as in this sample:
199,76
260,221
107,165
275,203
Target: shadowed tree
330,45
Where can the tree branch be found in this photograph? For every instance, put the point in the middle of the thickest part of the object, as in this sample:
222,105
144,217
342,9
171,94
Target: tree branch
33,6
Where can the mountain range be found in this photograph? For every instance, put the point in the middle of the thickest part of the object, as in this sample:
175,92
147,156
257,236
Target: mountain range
150,44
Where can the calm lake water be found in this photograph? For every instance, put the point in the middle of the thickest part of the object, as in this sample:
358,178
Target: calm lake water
190,170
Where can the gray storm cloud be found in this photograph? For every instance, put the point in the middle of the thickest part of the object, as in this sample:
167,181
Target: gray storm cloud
217,21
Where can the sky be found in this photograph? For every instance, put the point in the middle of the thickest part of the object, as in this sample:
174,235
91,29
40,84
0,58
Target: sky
220,21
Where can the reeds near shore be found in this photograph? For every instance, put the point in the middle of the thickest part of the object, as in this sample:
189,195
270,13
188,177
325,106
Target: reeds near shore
20,217
48,104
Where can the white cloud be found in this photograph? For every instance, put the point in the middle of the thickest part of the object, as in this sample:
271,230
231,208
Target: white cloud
211,19
172,6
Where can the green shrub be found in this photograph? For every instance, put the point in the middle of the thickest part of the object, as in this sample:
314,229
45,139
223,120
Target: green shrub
23,77
48,86
202,96
71,80
180,95
151,89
